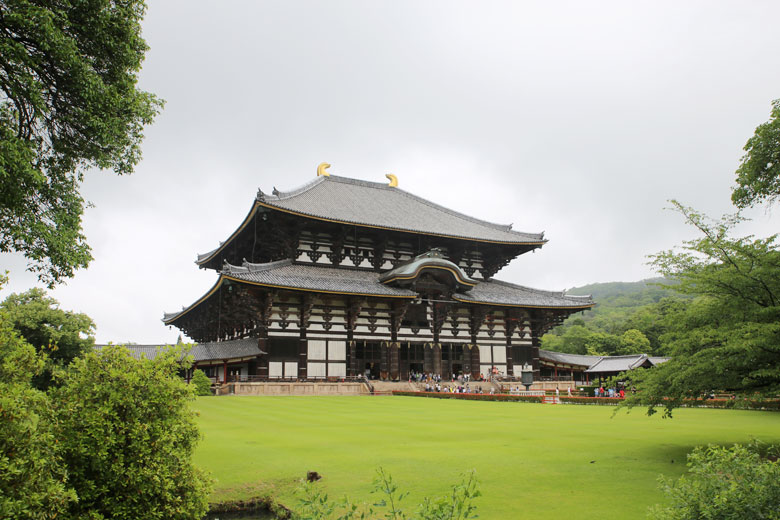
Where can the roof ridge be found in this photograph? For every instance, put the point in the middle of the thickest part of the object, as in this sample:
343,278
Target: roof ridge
284,195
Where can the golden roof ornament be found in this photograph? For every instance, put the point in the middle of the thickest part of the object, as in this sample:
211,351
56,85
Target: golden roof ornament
321,170
393,180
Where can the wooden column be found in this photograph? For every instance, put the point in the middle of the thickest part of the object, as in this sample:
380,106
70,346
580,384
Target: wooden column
428,358
303,347
353,311
383,358
224,371
395,360
467,359
404,365
437,358
475,361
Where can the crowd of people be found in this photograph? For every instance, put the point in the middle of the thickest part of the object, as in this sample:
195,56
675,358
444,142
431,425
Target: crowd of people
609,392
454,389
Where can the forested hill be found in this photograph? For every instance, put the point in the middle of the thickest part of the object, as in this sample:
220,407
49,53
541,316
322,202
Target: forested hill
629,318
626,294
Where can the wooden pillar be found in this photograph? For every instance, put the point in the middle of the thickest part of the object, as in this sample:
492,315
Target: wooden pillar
395,359
510,367
352,369
224,371
307,303
383,354
303,355
428,358
466,359
475,361
437,358
404,365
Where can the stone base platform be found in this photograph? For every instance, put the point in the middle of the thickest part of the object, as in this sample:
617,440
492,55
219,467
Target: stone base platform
297,388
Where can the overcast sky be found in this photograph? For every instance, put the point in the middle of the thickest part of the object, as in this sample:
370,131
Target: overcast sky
580,119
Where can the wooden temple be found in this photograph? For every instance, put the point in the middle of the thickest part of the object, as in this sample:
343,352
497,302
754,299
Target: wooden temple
343,278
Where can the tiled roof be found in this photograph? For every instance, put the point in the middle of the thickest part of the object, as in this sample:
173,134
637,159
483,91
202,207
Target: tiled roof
376,204
618,363
657,360
568,359
232,349
286,274
211,351
505,293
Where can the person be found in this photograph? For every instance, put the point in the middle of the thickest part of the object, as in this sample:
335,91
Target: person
568,391
622,394
557,393
601,391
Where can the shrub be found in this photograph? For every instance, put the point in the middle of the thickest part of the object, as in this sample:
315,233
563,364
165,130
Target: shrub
32,476
201,382
724,483
127,434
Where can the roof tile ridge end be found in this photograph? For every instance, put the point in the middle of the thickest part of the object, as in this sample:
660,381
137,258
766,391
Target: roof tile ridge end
278,196
265,266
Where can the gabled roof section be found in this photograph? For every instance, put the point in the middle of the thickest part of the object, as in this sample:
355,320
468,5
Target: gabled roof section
568,359
377,205
211,351
433,260
619,363
496,292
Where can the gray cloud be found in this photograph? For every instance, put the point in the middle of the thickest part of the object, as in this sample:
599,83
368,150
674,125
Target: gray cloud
579,119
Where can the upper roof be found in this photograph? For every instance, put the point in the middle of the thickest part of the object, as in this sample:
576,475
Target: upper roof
375,204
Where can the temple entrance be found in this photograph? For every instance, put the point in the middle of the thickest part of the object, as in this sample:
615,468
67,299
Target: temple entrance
371,370
368,359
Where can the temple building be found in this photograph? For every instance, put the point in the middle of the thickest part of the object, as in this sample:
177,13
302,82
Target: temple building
342,278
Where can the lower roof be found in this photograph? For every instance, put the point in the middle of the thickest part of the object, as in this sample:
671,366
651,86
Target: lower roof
210,351
285,274
601,364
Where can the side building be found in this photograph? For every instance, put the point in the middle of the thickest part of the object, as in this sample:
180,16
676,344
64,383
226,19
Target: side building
342,278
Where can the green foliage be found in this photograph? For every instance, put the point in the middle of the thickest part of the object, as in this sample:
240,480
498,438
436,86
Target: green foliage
728,338
127,434
68,102
201,382
32,476
758,175
61,335
457,505
622,306
723,484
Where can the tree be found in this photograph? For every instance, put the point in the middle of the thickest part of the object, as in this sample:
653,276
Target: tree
33,478
201,382
728,338
724,483
128,434
634,342
68,102
758,175
62,335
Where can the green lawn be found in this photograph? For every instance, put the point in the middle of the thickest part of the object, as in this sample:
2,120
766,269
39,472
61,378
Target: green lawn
532,460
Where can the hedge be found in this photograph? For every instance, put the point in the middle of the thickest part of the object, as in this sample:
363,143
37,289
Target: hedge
474,397
739,404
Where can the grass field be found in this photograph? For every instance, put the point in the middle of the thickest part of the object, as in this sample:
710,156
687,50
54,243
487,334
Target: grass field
532,460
